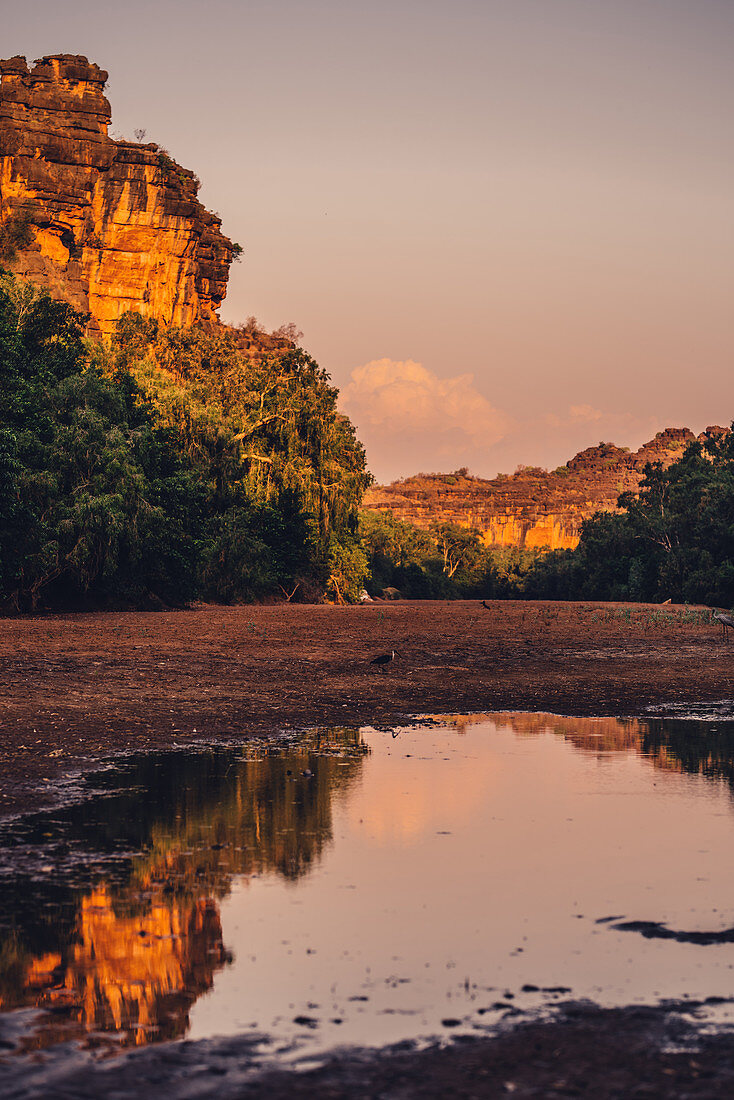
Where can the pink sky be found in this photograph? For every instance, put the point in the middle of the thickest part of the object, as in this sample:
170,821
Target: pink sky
505,228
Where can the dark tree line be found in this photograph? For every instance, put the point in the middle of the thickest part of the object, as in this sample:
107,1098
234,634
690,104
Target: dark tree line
166,467
675,540
446,562
174,464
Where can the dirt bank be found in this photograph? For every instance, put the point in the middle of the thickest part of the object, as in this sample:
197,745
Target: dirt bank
73,687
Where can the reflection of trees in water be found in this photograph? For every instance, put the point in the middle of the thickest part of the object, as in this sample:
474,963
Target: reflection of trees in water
118,928
267,816
599,735
700,748
129,946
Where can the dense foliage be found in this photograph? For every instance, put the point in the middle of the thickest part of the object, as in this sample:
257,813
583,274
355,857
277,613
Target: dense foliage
446,562
675,540
175,463
170,465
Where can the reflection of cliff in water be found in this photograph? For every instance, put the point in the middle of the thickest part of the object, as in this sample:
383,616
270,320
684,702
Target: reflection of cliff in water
136,976
109,909
699,748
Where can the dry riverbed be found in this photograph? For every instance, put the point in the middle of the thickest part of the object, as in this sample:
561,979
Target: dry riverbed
76,686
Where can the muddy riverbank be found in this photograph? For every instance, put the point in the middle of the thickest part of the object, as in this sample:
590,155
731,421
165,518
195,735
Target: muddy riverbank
75,687
616,1054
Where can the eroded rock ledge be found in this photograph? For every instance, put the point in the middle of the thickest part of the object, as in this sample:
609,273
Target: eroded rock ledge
115,225
533,508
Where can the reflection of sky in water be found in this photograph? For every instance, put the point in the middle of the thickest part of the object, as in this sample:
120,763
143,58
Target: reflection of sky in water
376,896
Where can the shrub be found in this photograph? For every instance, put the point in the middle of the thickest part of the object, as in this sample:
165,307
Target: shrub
16,234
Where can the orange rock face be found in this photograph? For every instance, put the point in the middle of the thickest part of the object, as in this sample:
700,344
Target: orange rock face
116,225
534,508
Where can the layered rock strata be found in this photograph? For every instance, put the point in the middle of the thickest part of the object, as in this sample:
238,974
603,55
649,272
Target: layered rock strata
114,225
532,508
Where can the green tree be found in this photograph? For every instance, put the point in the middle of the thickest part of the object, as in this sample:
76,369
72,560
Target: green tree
458,546
672,540
258,419
170,464
95,501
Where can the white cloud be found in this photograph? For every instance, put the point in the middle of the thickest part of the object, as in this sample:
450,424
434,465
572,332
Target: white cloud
585,413
577,414
410,419
404,395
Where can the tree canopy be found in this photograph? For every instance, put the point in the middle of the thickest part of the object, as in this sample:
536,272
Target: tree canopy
168,465
674,540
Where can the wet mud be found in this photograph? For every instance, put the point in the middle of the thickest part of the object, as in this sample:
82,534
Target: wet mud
654,930
585,1051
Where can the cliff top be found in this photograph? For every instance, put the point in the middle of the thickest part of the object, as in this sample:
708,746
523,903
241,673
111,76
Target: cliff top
666,447
113,225
534,507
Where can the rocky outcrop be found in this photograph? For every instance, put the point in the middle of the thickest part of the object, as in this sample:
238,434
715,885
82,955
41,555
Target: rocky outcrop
532,508
114,225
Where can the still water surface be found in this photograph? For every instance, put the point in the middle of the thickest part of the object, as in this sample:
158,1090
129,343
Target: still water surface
361,887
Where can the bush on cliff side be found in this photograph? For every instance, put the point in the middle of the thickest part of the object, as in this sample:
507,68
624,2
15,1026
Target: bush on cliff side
16,233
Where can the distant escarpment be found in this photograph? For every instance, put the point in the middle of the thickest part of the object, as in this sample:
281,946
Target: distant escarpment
109,226
532,508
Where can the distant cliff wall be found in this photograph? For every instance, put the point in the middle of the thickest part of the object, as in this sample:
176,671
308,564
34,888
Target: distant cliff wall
115,225
533,508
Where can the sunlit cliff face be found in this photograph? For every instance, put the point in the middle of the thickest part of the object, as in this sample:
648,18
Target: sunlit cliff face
535,509
116,225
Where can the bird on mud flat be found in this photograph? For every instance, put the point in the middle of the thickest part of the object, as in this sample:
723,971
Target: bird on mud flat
727,623
485,604
384,659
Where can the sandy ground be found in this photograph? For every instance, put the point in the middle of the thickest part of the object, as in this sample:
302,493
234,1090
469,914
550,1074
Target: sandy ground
74,687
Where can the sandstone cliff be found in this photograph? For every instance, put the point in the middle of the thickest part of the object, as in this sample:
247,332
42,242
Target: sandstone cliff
114,225
532,508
